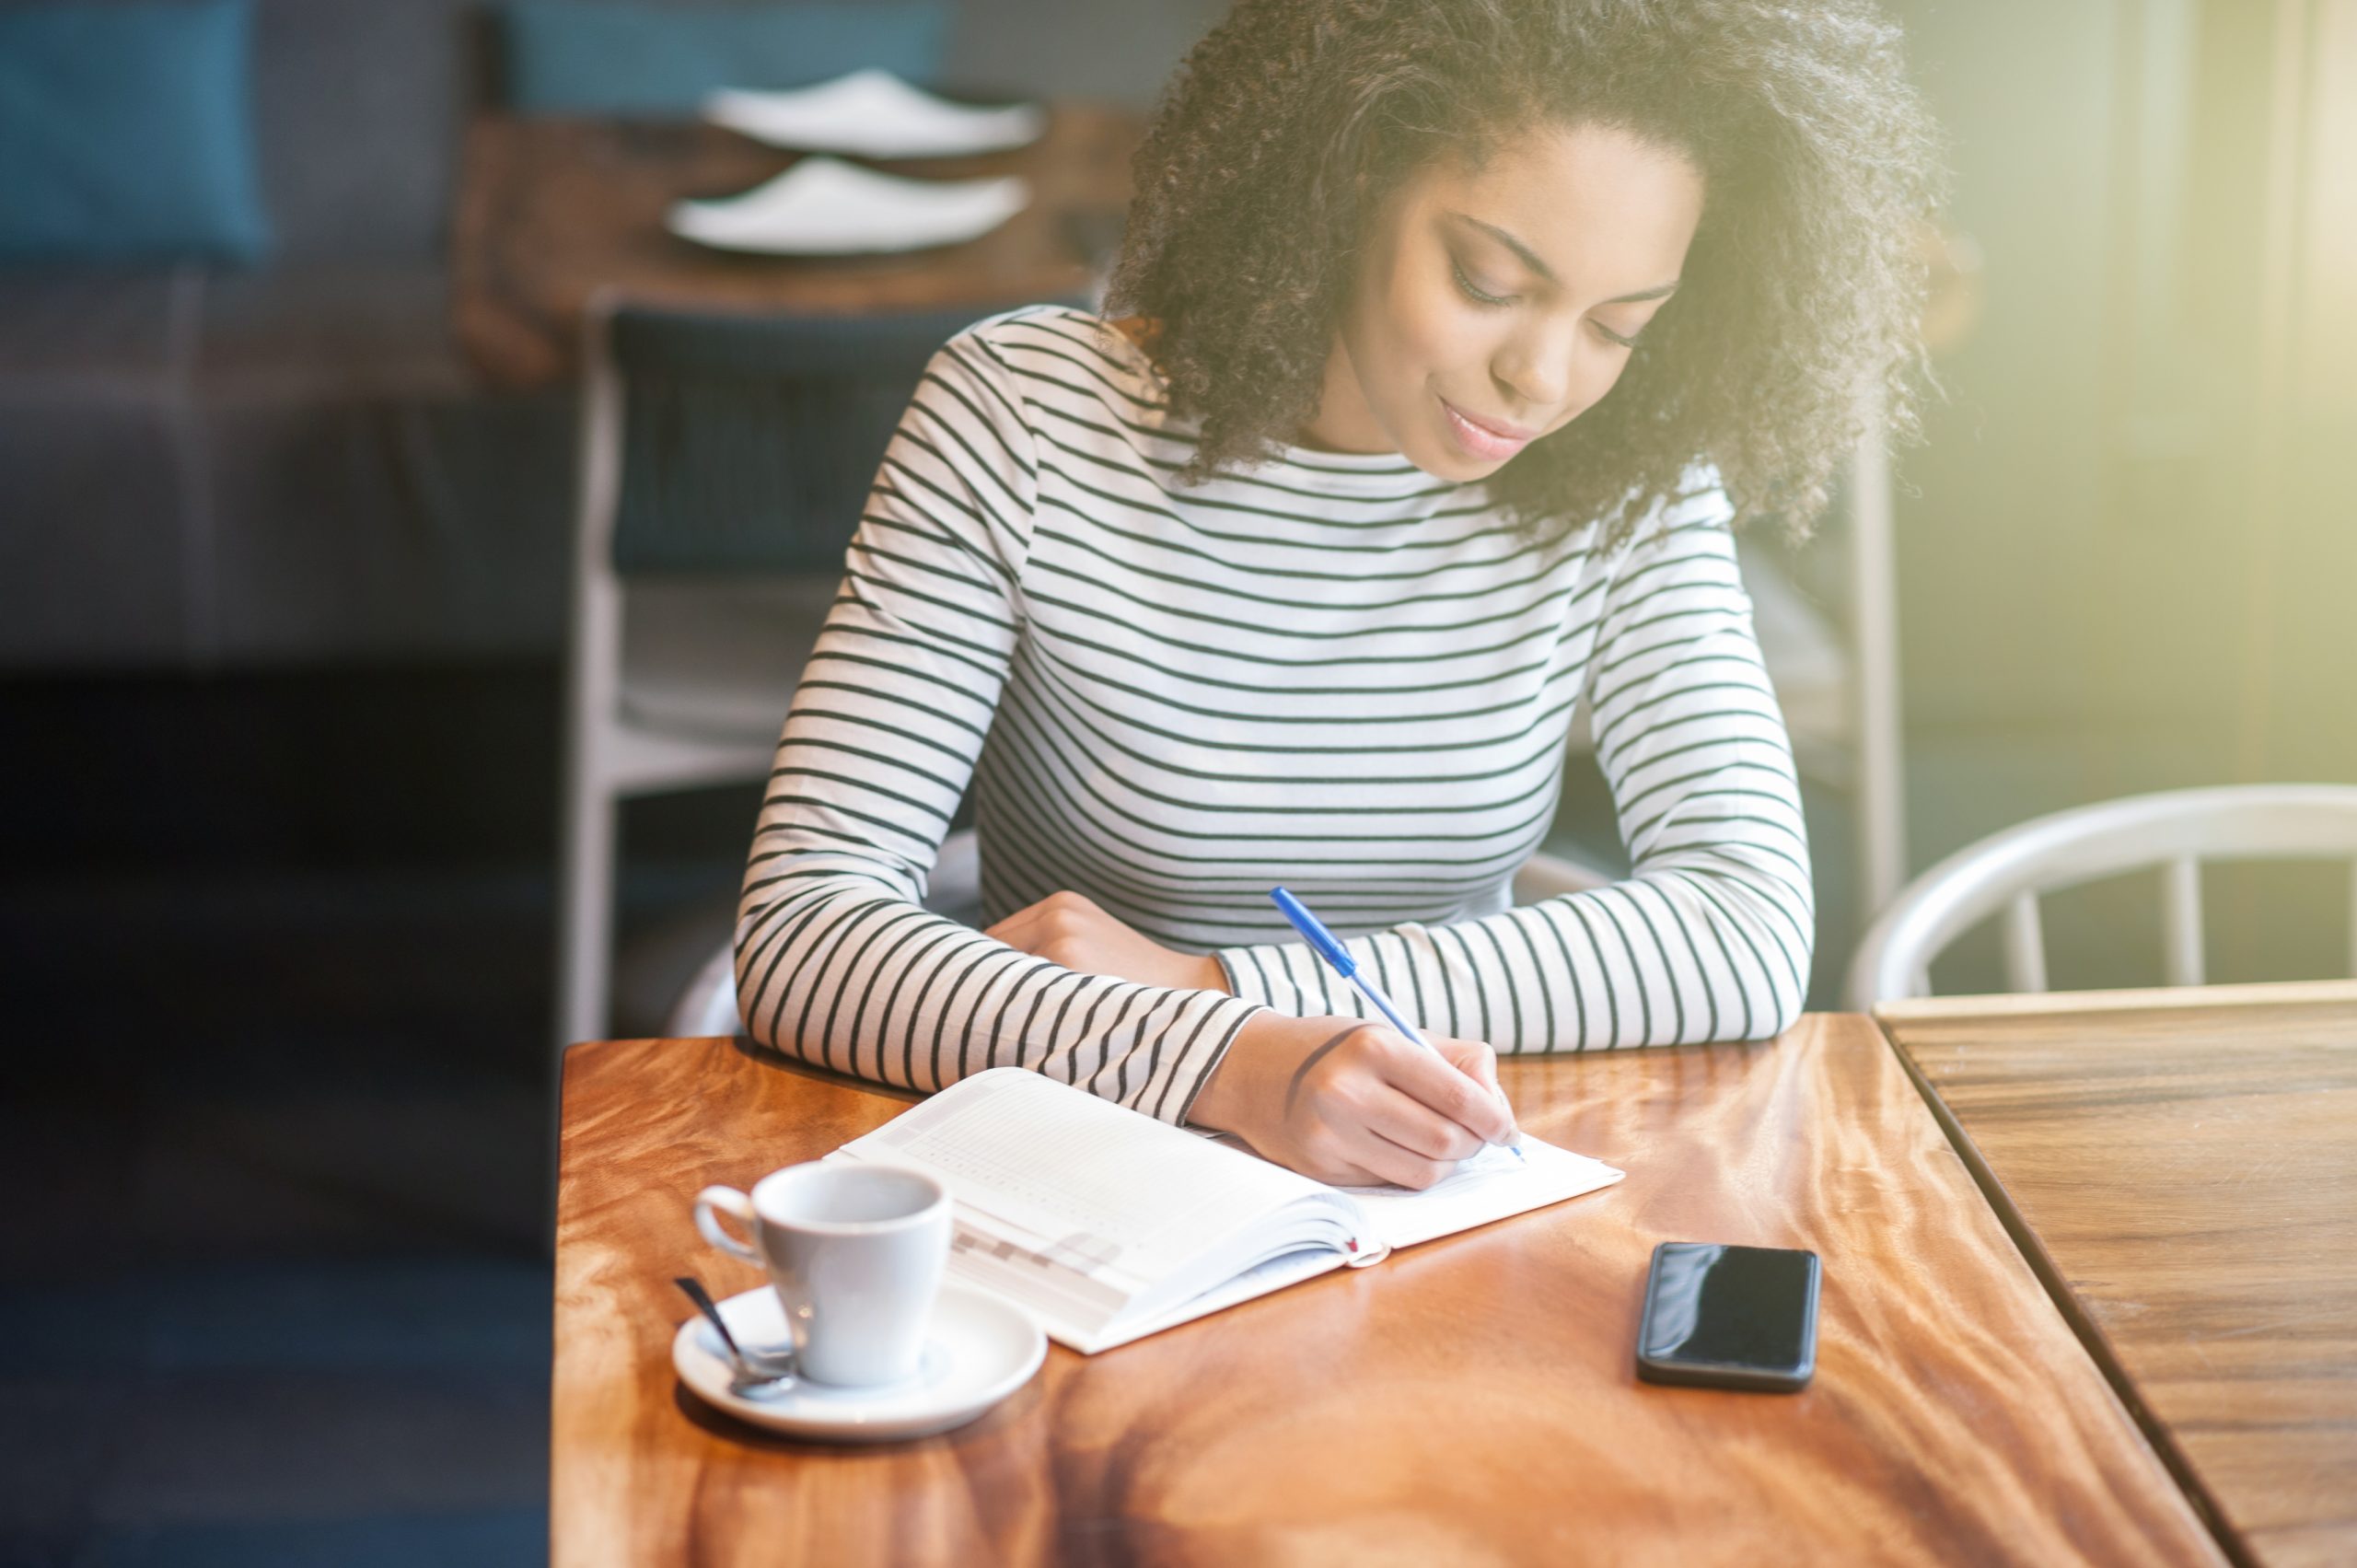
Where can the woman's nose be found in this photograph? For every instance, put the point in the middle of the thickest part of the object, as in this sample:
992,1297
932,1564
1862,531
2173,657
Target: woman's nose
1548,391
1539,375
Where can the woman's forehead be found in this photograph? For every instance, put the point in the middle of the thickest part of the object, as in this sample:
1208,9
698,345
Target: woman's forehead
1572,196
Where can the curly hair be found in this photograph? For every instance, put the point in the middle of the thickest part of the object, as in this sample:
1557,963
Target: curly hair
1293,121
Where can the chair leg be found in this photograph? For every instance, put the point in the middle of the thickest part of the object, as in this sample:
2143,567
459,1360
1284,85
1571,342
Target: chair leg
584,912
1881,790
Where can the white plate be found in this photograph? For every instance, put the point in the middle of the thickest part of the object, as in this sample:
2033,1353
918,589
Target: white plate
825,207
978,1351
873,114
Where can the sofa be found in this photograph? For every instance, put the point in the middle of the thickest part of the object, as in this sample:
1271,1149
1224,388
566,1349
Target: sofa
207,467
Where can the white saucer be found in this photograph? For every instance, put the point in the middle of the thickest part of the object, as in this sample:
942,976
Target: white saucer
874,115
978,1351
823,206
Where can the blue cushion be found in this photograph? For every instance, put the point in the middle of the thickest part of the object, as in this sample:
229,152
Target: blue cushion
617,57
125,132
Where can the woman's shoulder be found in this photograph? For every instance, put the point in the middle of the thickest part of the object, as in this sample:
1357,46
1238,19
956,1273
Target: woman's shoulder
1037,335
1695,510
1062,352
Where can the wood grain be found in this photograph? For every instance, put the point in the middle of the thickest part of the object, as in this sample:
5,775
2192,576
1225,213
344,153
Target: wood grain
2182,1167
1471,1401
551,211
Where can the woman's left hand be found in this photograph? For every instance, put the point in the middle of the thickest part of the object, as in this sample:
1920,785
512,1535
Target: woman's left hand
1067,928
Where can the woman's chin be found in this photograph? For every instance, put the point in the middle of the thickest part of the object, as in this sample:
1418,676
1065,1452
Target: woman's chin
1443,460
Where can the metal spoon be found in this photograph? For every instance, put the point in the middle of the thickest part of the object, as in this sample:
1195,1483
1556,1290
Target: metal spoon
745,1380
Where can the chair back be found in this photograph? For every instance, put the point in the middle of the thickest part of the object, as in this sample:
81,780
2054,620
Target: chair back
749,443
2173,831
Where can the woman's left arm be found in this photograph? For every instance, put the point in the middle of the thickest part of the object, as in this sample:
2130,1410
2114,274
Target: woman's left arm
1710,937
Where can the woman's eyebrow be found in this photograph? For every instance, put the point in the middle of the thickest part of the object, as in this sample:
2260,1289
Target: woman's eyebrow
1530,259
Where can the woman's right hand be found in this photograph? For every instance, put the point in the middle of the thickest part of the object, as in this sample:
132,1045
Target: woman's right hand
1355,1103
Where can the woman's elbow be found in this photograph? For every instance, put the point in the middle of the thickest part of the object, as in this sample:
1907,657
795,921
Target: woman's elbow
1788,992
1783,1015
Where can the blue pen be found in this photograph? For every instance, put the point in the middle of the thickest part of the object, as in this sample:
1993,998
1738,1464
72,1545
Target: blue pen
1321,941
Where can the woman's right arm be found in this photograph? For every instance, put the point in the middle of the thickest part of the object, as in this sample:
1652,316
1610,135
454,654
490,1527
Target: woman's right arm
837,961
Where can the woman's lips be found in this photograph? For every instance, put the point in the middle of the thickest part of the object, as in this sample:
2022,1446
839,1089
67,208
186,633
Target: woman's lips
1491,443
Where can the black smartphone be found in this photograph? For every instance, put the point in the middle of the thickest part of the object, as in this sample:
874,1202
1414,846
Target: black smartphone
1729,1317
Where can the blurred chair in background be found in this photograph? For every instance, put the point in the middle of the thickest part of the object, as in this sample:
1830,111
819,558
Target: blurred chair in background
2174,830
724,462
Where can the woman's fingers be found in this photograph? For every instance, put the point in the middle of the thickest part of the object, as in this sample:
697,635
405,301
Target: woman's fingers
1011,930
1473,1058
1479,1060
1416,1127
1062,913
1434,1081
1390,1164
1345,1174
1062,916
1352,1102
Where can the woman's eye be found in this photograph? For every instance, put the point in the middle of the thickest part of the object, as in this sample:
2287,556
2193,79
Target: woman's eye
1465,285
1481,296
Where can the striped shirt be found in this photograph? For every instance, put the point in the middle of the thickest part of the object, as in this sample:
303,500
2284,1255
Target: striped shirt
1330,671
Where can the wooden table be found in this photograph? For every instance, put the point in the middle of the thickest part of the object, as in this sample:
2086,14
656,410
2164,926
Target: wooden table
549,212
2181,1168
1471,1401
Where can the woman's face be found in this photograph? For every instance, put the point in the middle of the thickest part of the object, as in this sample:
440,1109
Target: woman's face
1494,305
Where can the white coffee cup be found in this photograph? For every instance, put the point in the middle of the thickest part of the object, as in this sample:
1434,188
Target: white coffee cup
856,1253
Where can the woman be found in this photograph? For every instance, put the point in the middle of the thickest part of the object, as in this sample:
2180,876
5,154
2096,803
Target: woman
1455,336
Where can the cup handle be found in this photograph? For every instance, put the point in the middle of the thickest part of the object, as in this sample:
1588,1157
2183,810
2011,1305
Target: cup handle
713,1201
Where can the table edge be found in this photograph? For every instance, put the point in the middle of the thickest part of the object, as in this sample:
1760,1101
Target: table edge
2001,1004
2090,1333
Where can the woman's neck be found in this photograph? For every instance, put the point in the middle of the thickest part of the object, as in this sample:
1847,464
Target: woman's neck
1343,423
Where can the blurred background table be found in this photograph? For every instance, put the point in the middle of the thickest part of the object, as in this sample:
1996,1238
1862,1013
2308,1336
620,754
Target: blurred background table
1473,1400
551,211
2181,1169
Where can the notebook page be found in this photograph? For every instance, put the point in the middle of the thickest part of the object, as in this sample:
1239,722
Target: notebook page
1119,1196
1488,1186
1273,1274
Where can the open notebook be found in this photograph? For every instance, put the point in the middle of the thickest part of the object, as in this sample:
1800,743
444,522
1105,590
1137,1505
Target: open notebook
1107,1225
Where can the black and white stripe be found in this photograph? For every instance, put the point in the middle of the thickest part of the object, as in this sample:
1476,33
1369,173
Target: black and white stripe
1332,672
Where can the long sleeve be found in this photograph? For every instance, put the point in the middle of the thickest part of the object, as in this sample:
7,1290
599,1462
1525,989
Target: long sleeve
1711,935
836,962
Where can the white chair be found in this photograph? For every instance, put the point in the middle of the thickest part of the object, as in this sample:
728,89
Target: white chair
2175,831
723,463
708,1006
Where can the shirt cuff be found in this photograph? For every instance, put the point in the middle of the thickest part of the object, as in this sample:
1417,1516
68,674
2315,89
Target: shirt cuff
1202,1038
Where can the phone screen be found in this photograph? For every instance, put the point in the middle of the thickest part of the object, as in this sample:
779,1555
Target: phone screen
1741,1317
